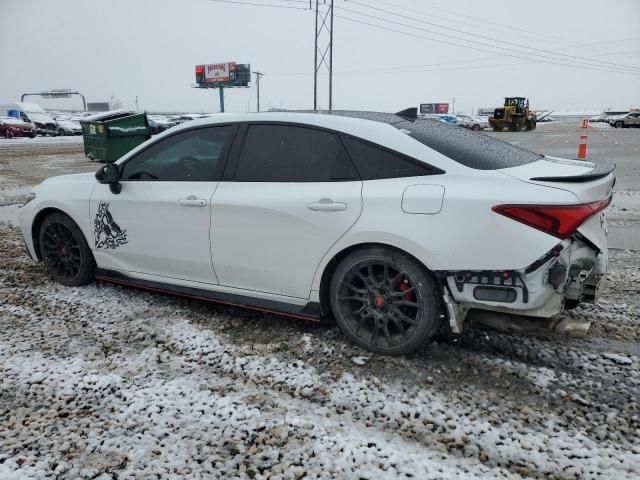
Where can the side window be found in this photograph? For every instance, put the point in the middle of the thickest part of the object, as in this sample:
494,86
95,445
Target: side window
194,155
374,163
285,153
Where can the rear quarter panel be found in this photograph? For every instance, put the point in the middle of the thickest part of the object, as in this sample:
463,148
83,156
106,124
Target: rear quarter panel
465,233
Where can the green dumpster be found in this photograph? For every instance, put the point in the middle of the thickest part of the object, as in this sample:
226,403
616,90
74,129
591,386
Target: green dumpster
110,135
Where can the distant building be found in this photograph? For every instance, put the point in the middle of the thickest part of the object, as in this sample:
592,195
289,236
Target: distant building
98,107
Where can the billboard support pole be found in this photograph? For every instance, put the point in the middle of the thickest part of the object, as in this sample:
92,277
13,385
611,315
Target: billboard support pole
258,75
221,90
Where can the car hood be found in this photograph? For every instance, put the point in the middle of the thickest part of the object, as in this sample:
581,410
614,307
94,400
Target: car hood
40,117
73,178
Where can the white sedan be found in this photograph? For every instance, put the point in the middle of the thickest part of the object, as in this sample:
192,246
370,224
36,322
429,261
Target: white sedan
393,226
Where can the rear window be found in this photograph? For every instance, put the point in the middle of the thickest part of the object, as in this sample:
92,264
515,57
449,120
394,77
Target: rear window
374,162
472,149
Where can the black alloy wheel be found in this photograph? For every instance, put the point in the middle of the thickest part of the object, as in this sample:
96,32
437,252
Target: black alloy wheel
65,252
385,301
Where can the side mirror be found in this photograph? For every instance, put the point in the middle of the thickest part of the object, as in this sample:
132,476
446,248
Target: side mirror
109,174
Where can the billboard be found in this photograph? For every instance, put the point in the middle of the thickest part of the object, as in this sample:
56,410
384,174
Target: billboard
434,108
220,72
227,74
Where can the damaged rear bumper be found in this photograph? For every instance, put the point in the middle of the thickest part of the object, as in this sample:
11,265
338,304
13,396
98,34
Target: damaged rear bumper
570,273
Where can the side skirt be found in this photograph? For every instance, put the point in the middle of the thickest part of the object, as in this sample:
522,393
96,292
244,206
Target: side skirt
310,311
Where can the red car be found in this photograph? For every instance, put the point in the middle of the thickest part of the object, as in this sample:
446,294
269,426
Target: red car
13,127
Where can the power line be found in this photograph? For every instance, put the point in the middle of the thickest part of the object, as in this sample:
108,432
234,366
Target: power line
573,64
415,35
477,22
265,4
486,21
536,35
598,63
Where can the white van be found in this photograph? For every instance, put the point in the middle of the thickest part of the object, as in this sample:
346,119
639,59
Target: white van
32,113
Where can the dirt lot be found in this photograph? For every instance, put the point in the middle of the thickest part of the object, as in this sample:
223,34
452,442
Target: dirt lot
112,383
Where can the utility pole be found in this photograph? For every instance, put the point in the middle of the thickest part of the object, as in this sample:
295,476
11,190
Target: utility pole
324,12
221,90
258,76
137,104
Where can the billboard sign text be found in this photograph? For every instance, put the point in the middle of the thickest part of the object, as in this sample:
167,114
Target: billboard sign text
220,72
428,108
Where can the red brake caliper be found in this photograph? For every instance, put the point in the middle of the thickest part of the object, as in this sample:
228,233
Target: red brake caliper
404,285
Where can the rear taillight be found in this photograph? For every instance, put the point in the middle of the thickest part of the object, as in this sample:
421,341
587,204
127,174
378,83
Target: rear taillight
557,220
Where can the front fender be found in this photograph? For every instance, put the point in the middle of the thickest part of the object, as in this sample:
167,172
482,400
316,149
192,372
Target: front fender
71,200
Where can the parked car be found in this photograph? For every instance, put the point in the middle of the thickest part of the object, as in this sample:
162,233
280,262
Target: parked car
155,128
68,127
163,122
13,127
31,113
631,119
450,119
472,122
393,226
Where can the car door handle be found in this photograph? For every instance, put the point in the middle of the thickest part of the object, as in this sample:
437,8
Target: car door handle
192,201
327,205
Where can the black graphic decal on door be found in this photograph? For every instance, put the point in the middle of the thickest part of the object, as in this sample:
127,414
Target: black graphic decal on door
106,231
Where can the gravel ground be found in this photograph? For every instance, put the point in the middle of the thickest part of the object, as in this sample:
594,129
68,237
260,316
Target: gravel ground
112,383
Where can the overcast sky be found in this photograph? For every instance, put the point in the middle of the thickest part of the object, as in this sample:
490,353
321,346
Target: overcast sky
148,48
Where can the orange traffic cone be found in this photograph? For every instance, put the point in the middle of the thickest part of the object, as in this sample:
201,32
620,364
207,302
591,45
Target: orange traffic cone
582,148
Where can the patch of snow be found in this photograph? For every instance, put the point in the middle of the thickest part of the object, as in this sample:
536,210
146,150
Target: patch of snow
617,358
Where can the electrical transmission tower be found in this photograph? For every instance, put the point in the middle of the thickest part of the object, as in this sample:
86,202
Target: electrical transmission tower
323,46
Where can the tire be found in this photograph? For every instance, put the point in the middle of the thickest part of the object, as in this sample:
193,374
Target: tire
497,128
517,124
8,134
618,124
65,252
384,301
475,127
61,133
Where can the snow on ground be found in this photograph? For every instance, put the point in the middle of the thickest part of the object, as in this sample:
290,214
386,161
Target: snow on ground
42,140
105,382
110,383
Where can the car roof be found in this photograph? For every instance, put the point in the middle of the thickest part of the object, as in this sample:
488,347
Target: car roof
458,144
341,120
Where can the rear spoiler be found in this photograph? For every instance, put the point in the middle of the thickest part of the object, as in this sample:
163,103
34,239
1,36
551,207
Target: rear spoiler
601,169
410,113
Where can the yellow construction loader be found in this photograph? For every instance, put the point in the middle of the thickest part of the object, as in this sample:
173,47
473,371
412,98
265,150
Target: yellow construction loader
514,115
